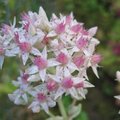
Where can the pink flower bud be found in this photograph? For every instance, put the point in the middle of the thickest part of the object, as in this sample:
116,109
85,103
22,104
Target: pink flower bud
62,58
25,46
67,83
41,97
41,63
51,85
79,61
96,59
60,28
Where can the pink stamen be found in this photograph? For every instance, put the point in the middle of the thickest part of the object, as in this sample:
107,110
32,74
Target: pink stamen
51,85
41,97
41,63
96,59
79,61
25,46
67,83
62,58
82,43
60,28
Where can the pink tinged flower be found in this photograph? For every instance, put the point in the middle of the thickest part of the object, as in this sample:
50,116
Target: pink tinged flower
67,82
76,28
79,61
62,58
51,85
25,17
40,62
82,43
96,59
25,78
6,28
60,28
41,97
25,46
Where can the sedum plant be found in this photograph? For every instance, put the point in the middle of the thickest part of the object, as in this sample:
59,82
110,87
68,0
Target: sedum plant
56,54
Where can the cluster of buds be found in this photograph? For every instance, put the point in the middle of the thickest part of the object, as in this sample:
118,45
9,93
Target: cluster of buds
118,79
56,54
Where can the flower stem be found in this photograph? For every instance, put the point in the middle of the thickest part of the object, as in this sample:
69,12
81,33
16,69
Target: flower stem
62,109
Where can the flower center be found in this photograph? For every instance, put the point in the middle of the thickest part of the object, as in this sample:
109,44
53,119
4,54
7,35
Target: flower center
82,43
67,83
51,85
79,61
62,58
60,28
41,63
25,46
41,97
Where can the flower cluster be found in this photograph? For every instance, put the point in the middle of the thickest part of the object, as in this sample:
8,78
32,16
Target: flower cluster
56,54
118,79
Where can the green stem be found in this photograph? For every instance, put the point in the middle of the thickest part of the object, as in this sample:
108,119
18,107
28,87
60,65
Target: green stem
62,109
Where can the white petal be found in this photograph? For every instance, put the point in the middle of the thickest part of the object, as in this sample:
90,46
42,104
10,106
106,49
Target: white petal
35,51
94,68
44,53
45,107
66,72
34,78
32,70
25,98
51,103
87,84
82,92
52,62
25,57
92,31
42,74
72,67
51,34
118,97
1,61
59,92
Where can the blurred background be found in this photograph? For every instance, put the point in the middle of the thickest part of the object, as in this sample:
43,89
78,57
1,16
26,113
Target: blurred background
100,103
